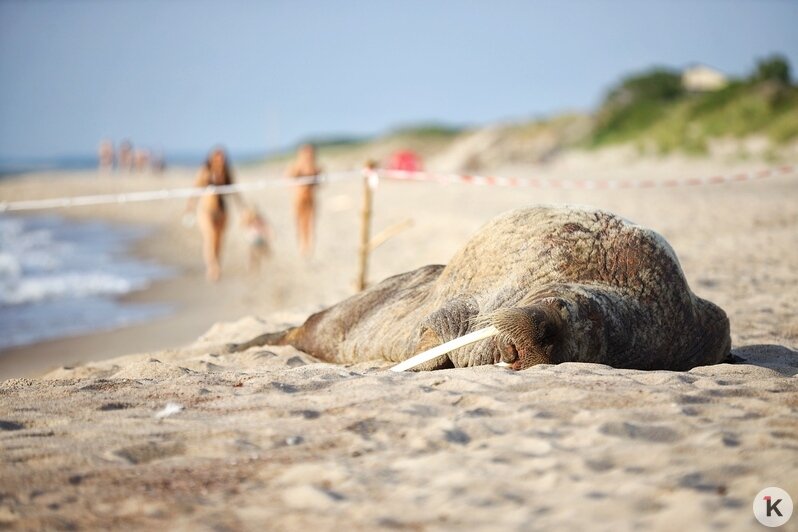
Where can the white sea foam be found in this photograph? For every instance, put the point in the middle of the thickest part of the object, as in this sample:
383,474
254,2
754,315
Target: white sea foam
59,277
70,284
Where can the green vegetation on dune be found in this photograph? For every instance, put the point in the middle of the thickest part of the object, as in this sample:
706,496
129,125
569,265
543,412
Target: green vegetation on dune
653,109
334,141
427,130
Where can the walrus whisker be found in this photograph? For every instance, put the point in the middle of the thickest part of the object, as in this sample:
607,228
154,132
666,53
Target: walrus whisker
446,347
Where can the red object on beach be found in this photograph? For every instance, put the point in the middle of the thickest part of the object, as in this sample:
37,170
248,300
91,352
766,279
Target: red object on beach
406,160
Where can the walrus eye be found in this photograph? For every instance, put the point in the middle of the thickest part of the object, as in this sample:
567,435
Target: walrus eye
546,329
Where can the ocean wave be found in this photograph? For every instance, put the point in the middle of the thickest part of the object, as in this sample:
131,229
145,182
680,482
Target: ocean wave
59,277
21,290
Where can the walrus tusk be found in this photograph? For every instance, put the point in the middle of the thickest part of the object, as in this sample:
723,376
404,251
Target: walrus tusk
446,347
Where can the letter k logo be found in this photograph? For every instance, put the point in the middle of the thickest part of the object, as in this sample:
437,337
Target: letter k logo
772,506
777,507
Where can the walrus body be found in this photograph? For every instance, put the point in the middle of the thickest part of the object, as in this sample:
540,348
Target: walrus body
561,285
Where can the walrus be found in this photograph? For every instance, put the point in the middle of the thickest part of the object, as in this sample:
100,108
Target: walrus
561,284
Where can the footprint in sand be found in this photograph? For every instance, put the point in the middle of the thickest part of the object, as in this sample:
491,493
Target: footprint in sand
114,406
691,411
284,387
365,428
295,362
479,412
699,482
693,399
732,392
11,425
142,454
307,387
102,385
421,410
600,465
456,436
730,440
307,414
650,433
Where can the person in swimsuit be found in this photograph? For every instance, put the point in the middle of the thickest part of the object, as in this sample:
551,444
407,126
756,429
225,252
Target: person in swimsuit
304,196
212,211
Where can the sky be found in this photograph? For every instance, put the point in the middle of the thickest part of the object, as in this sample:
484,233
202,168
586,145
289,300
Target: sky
182,76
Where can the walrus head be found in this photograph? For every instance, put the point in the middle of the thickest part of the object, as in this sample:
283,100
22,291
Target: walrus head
602,326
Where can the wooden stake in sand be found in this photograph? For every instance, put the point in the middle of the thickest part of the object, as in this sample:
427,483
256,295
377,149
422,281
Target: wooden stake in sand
447,347
369,184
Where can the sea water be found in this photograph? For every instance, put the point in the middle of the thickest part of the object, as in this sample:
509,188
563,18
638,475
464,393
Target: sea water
63,278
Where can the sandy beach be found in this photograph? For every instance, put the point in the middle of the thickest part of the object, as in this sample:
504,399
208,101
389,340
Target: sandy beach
272,438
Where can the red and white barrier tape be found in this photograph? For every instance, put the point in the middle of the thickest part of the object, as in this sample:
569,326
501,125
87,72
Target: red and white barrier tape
171,193
402,175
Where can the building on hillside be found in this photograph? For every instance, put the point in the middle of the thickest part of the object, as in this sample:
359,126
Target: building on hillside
703,78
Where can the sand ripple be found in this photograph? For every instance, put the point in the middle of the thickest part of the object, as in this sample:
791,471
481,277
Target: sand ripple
273,436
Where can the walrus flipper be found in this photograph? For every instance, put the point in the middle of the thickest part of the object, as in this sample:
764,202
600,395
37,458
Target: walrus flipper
273,338
453,319
450,321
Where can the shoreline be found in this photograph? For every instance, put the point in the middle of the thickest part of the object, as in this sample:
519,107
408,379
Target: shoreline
35,359
196,305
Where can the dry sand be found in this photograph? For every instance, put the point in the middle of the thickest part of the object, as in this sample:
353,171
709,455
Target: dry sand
271,438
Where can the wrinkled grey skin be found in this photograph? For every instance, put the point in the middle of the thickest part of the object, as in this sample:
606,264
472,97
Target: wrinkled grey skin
561,284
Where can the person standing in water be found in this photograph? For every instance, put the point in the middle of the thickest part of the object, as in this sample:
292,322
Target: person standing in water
212,210
304,196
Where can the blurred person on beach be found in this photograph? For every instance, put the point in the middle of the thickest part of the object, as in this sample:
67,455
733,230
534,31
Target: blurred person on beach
105,156
158,162
212,209
259,234
124,160
141,159
304,196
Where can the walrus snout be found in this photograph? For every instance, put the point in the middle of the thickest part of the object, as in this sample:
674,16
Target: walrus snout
527,335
